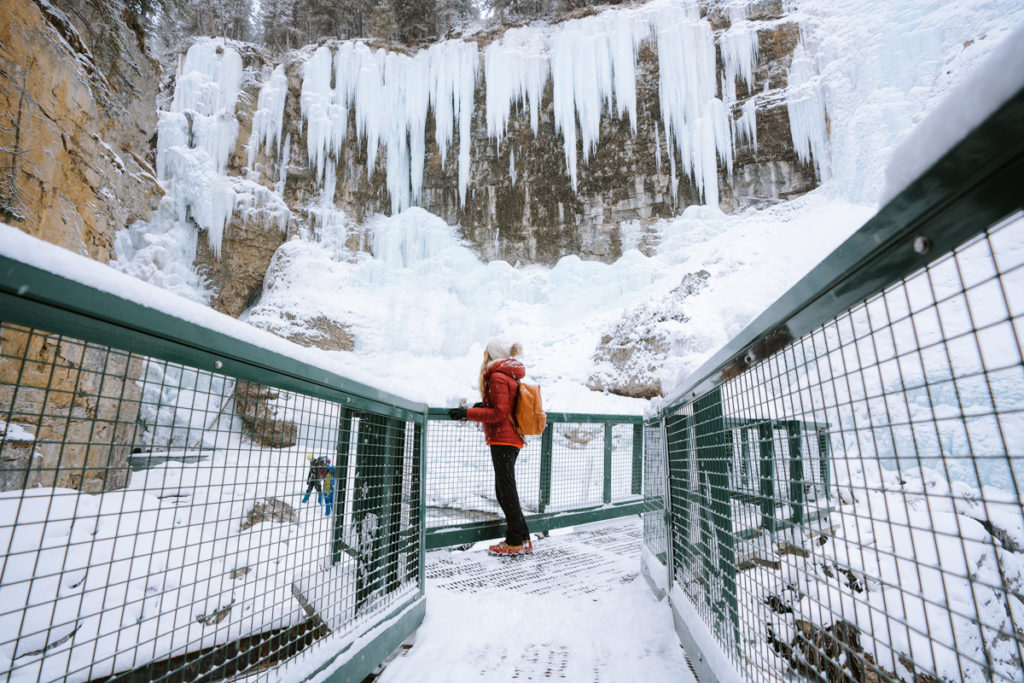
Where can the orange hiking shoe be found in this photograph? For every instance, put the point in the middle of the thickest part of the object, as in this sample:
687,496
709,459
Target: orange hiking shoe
504,548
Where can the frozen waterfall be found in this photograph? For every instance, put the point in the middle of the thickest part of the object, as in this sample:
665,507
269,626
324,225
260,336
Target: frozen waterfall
196,137
591,64
389,94
386,97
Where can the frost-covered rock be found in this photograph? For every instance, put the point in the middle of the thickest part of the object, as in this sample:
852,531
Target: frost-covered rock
255,404
630,358
318,331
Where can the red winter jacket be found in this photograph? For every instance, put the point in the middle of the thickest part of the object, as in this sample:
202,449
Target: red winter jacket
501,389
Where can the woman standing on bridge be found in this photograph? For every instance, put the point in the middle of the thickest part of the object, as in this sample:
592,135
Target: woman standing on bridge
499,382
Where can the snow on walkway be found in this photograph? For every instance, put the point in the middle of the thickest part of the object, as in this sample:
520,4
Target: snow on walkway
576,610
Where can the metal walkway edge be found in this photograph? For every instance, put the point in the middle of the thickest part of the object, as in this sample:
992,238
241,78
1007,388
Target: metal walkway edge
576,609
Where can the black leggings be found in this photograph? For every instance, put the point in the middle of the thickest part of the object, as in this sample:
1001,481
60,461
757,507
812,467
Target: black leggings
504,460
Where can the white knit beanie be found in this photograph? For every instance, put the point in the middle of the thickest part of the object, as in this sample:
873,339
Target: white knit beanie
499,348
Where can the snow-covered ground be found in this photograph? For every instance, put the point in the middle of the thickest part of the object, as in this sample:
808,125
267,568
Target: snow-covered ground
876,69
576,610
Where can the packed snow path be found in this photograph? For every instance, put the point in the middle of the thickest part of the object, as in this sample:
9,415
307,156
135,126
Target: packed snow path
577,609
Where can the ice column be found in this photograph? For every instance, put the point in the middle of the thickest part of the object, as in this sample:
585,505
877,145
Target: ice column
196,137
516,69
390,94
593,60
806,107
268,119
694,119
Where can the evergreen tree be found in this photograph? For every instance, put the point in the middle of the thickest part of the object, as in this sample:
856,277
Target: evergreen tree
382,22
416,19
452,14
228,18
525,9
277,25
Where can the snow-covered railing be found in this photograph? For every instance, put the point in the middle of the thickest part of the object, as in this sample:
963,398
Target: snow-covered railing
181,497
899,361
583,468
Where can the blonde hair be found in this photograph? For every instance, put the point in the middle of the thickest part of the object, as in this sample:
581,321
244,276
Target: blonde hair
513,351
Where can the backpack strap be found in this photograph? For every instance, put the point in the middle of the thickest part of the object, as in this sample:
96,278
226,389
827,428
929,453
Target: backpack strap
512,413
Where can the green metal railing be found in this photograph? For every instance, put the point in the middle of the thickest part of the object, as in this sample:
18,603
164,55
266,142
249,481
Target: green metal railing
837,494
167,507
583,468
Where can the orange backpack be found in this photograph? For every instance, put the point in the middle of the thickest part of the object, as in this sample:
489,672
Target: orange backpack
528,415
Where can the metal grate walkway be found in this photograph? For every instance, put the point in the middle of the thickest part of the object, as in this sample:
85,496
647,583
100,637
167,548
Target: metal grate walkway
575,610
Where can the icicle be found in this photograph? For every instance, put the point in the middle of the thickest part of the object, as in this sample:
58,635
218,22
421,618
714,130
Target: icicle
512,166
592,65
722,135
172,131
739,54
196,138
693,117
806,108
516,68
728,86
269,116
325,113
390,94
200,193
657,149
593,60
452,64
467,85
282,169
746,124
673,179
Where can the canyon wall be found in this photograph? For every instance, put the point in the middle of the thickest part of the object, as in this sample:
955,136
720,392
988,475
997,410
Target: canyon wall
77,119
518,202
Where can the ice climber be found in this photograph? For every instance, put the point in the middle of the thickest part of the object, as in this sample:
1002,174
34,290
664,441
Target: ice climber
320,478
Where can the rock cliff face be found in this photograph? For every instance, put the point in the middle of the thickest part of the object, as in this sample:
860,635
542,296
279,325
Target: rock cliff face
532,214
77,113
75,405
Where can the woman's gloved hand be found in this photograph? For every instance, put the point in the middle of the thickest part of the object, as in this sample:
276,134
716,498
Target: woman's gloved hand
478,404
457,413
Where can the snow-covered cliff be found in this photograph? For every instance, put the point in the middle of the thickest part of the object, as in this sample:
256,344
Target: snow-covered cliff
559,144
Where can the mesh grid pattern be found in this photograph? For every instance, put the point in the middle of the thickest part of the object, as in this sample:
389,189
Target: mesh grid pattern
540,607
573,466
655,531
850,507
155,524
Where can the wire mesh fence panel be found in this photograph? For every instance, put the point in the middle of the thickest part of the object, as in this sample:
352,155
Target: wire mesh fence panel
460,477
577,465
624,464
593,463
162,522
850,508
655,474
574,466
